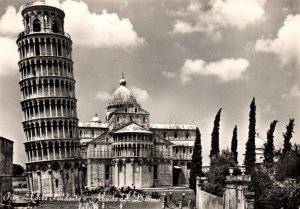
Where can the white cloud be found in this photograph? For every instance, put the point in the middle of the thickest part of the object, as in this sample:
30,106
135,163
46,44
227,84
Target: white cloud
99,30
294,92
8,56
237,14
140,94
86,28
225,69
104,96
286,44
168,74
11,22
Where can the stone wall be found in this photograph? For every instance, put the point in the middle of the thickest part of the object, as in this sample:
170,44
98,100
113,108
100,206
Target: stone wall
205,200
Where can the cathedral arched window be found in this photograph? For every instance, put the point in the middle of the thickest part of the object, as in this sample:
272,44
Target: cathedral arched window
130,118
118,119
80,133
135,109
187,134
92,133
176,149
56,183
175,134
165,134
36,25
144,119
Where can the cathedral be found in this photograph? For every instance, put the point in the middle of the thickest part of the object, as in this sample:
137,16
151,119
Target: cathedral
65,156
127,150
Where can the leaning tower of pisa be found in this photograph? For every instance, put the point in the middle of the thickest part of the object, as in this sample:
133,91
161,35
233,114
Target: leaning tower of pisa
48,101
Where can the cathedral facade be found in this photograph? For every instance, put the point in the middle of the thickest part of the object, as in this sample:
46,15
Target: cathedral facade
127,150
65,156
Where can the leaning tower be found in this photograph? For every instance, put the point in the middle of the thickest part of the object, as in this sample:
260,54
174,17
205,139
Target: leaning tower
48,101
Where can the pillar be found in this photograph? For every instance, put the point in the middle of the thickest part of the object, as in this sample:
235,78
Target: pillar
73,181
89,174
116,174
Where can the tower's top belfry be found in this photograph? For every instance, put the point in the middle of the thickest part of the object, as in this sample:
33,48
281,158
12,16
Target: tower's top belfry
45,16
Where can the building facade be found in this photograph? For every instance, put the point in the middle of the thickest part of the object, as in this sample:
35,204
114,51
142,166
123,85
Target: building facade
48,101
127,150
6,166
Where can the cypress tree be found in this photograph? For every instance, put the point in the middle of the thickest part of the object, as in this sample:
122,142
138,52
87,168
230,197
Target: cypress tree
250,145
196,164
269,146
287,137
215,150
234,144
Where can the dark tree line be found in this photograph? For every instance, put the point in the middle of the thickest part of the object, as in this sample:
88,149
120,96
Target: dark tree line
250,145
215,149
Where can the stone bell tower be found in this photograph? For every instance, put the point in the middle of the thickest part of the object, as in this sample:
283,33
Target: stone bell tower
48,101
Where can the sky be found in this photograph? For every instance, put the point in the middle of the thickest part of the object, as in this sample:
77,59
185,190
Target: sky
182,59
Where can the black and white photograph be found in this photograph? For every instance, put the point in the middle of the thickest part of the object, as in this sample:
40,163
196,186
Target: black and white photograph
149,104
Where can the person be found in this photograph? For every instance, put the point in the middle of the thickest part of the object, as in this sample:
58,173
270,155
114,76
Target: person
170,195
183,195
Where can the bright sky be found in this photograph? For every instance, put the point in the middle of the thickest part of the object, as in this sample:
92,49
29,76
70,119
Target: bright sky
183,60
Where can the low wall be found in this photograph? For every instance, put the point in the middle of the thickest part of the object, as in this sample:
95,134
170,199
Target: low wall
205,200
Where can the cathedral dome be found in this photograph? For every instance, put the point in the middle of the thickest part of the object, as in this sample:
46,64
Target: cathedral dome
122,93
96,119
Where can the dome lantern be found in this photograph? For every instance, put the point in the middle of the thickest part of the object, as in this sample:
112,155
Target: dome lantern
122,81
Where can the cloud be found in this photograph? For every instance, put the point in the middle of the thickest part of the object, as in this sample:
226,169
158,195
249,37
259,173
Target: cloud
286,44
86,28
104,96
168,74
225,69
8,56
99,30
11,22
222,14
140,94
293,93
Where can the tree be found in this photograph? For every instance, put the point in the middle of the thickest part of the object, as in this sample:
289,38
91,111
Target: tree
287,137
218,171
215,150
250,145
234,144
269,146
288,165
196,164
18,170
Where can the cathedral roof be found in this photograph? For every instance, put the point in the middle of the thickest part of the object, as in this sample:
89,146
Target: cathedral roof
173,126
122,93
92,125
133,128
